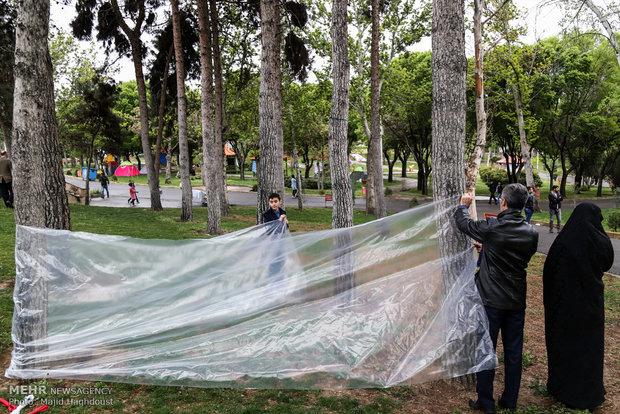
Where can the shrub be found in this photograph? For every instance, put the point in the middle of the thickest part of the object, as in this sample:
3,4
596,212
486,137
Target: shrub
114,178
255,187
95,193
413,202
388,191
68,172
614,220
537,180
487,174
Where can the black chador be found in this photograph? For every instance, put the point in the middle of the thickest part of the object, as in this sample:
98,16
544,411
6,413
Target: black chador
574,311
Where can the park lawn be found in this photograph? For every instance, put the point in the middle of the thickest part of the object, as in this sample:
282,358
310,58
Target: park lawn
441,396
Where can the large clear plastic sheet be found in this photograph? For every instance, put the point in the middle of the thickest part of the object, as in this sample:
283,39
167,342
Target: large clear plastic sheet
258,308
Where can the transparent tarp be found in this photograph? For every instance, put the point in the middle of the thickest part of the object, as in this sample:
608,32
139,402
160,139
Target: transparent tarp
258,308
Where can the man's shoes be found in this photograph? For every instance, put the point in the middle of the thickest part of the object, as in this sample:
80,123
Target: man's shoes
475,405
502,406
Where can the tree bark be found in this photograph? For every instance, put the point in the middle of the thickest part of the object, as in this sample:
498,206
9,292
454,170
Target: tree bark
525,147
375,145
136,54
403,157
162,110
209,160
481,116
342,214
38,180
449,69
219,108
270,133
186,185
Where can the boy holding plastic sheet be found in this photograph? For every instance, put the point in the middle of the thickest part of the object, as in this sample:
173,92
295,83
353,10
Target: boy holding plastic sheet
274,229
275,212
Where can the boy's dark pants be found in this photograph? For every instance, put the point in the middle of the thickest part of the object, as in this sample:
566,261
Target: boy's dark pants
511,324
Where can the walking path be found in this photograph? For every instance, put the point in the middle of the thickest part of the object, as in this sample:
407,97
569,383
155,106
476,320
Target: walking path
171,198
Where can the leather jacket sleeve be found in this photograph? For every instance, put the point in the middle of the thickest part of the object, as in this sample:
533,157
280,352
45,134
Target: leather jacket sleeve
474,229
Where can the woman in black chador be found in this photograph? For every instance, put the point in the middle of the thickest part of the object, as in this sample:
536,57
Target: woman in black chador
574,312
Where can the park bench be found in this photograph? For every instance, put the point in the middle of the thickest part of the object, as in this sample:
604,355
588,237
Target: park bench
329,197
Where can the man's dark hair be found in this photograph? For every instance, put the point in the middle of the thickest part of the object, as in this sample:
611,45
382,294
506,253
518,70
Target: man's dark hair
515,196
554,187
274,195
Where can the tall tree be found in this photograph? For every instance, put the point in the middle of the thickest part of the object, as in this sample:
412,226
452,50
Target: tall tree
209,162
186,185
449,69
270,133
219,107
40,196
342,215
375,145
115,32
404,22
8,13
592,13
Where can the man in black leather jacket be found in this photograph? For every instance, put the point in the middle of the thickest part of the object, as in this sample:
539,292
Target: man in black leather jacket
508,244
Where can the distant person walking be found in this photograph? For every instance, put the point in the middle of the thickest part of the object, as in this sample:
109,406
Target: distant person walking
492,190
574,309
6,179
104,181
555,207
294,185
500,190
133,197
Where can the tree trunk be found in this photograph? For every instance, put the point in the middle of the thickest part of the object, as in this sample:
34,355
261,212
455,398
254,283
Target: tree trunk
525,147
342,214
375,145
449,69
162,110
136,54
403,157
219,109
184,164
481,116
169,162
271,173
210,170
38,181
295,166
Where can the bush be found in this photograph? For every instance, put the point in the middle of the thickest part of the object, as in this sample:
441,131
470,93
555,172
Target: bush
537,180
68,172
614,220
487,174
388,191
95,193
414,202
255,188
231,169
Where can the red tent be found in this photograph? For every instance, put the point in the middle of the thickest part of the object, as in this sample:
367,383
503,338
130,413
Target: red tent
126,169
